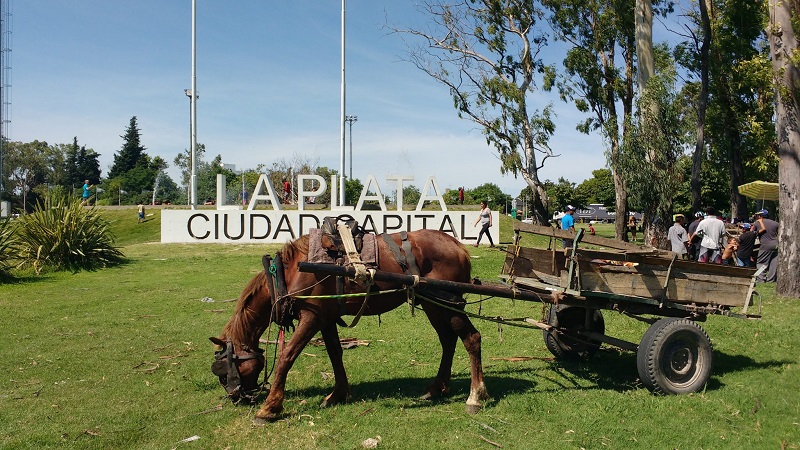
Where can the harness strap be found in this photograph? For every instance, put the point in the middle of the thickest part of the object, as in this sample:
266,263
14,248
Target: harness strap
410,259
404,257
369,281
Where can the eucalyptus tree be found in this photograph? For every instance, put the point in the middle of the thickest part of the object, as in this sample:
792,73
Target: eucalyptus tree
783,33
693,54
658,135
487,53
599,75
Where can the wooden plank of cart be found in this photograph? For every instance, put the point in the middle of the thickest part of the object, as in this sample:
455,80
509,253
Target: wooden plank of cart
673,357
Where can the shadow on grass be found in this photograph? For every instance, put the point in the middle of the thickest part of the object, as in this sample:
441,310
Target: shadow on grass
608,370
616,370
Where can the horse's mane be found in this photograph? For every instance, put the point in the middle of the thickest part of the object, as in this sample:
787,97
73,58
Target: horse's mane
240,327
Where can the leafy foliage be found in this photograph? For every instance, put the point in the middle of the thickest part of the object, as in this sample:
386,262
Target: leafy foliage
62,235
652,153
7,241
598,189
487,53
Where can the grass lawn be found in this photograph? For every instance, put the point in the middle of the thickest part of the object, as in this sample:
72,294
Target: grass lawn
120,358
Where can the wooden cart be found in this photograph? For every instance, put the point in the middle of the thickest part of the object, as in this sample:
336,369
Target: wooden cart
675,354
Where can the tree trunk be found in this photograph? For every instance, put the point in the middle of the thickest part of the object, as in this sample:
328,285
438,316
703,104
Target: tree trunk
702,106
783,44
644,42
539,212
738,201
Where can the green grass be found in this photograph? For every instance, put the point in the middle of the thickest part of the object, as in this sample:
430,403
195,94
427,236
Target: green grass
120,358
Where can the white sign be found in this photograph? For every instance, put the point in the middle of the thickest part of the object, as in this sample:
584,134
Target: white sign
227,224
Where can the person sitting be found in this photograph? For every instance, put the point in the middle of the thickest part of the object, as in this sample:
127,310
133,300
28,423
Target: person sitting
729,253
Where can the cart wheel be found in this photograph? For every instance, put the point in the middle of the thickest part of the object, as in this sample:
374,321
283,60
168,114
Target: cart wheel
674,357
568,320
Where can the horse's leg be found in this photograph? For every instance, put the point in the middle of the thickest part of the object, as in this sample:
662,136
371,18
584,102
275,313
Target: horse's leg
341,388
307,327
471,338
447,338
460,324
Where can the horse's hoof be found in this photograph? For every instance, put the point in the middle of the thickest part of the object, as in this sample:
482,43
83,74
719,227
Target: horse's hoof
332,400
426,396
473,409
259,422
262,418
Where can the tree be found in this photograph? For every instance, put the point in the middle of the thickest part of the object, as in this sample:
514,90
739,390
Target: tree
487,53
694,55
26,167
412,194
783,33
87,166
732,99
563,193
71,176
489,192
595,81
657,138
131,153
598,189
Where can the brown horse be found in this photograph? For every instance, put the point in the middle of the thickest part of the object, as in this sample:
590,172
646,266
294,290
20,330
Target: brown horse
238,364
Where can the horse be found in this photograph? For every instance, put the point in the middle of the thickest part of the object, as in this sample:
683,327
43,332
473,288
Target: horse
239,360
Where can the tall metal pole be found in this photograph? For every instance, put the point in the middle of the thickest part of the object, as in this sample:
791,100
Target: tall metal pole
350,120
193,98
341,117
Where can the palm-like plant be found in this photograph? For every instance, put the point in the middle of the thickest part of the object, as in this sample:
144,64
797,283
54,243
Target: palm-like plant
6,245
62,235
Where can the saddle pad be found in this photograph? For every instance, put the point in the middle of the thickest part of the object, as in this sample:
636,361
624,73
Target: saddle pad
318,254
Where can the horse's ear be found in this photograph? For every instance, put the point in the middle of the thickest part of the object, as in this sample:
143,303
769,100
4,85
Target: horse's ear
217,341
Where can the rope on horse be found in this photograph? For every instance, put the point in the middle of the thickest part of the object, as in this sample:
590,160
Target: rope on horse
352,253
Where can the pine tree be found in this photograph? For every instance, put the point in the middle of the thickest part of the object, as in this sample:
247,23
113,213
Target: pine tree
72,177
87,165
131,152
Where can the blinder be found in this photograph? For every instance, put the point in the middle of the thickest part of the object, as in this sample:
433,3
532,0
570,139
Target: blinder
225,366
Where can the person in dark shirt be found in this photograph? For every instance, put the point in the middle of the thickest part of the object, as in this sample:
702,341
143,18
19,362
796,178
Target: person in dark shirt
767,231
747,240
694,241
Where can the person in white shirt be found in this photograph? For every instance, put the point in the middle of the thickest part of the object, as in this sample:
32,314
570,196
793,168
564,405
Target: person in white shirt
678,238
711,229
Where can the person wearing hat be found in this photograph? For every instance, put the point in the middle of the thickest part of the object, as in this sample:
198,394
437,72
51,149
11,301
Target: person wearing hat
568,223
767,231
678,238
747,242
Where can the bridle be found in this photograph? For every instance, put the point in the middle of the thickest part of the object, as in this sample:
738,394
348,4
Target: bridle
225,367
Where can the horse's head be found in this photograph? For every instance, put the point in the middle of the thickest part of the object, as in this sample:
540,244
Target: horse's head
237,367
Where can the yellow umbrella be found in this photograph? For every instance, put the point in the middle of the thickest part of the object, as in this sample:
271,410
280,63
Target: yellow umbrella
760,190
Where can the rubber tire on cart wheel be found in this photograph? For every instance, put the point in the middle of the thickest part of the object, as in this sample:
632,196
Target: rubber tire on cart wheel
569,319
674,357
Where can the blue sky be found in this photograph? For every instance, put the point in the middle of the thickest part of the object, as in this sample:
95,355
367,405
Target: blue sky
268,75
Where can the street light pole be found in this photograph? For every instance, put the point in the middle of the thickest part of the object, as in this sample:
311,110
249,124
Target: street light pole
193,97
192,149
350,120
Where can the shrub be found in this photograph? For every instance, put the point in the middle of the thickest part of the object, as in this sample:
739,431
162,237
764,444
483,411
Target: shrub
6,245
63,235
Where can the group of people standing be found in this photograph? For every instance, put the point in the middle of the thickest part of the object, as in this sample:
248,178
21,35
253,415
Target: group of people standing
709,240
